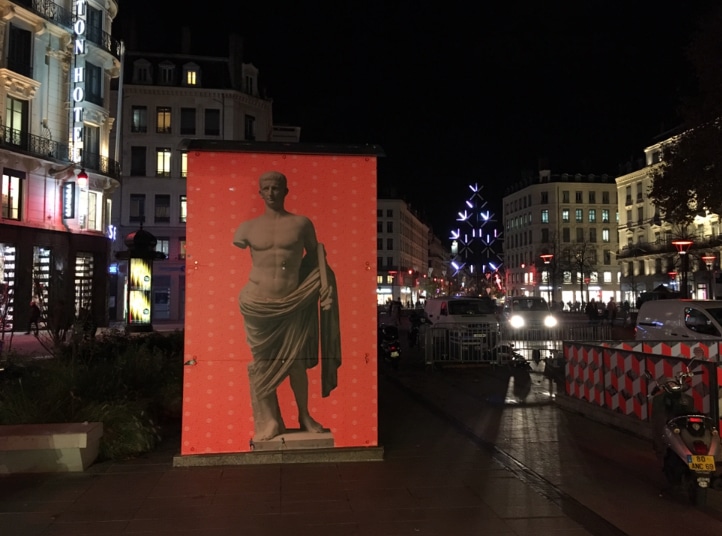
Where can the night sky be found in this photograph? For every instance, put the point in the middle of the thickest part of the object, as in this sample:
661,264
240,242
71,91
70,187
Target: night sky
456,93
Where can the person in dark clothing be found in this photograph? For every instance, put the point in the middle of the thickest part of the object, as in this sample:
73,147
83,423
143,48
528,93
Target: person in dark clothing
34,318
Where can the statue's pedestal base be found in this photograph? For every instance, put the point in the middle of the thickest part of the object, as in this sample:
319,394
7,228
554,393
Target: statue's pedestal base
293,446
296,439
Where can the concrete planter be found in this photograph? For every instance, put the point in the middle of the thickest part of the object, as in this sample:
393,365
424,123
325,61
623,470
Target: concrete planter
48,448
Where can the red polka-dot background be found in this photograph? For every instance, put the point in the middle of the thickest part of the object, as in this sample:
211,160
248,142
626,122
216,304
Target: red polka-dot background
338,193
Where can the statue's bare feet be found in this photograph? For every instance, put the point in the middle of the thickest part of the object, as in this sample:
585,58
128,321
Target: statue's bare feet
310,425
268,431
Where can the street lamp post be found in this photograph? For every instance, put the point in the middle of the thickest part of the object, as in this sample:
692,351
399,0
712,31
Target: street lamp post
683,246
547,258
709,262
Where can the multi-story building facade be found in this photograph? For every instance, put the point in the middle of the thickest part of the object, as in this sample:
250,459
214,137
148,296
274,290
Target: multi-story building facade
402,253
560,238
168,99
57,60
647,255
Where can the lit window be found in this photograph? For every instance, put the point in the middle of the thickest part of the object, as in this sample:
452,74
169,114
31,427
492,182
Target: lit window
545,216
565,215
183,208
95,216
182,248
592,215
11,195
184,164
162,162
605,235
163,246
578,215
191,78
162,124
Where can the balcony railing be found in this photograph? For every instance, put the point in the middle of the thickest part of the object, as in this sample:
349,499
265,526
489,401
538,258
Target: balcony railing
50,11
56,14
663,246
105,41
47,148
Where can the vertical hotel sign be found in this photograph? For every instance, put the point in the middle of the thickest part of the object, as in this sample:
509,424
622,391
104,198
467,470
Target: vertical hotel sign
78,79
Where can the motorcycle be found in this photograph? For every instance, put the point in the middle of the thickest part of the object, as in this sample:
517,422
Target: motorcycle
388,345
685,439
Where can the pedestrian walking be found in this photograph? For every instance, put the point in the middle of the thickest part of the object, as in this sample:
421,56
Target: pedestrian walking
34,318
611,310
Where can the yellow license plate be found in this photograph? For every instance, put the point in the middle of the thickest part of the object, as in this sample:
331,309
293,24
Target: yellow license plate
701,464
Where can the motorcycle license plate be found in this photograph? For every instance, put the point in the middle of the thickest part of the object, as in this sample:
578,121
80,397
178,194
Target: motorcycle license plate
394,354
701,464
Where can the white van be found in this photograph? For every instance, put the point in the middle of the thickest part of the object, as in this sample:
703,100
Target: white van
679,319
463,325
460,310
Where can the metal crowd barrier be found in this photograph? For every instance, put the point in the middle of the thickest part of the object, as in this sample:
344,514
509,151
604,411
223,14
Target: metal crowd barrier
486,343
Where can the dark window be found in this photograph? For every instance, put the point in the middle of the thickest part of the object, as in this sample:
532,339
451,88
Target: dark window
249,127
379,227
379,243
390,244
162,208
213,122
93,84
188,121
389,227
137,208
137,161
139,119
20,51
94,30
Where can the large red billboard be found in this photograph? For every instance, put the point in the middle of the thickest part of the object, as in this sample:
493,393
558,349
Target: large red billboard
280,346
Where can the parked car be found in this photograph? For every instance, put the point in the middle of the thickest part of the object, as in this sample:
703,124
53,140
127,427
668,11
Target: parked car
679,319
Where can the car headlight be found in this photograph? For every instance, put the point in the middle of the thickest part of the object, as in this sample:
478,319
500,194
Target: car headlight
550,321
516,321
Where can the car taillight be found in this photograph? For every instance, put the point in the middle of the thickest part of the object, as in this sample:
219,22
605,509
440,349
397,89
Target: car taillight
700,447
695,419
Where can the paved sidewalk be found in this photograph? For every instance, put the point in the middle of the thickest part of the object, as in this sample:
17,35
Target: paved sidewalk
468,451
433,481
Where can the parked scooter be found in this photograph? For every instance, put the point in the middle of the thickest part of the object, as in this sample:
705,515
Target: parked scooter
388,345
685,439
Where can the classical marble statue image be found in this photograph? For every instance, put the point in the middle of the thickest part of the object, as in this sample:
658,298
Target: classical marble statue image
290,310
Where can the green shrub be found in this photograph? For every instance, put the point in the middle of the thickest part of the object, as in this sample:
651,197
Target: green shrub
133,384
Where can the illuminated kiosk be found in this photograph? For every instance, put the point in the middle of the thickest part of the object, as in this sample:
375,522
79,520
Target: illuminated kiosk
138,299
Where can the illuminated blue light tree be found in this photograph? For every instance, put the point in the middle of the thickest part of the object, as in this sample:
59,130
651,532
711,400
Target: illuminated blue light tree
476,262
